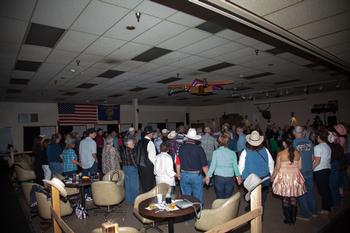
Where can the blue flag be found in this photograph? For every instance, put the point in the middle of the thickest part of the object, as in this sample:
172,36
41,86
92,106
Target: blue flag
108,112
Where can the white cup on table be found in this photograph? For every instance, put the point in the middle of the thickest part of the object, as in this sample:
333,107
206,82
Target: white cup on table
159,198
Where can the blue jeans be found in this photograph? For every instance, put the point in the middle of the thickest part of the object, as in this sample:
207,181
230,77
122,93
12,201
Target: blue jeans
334,182
89,172
192,184
223,187
131,183
56,168
307,202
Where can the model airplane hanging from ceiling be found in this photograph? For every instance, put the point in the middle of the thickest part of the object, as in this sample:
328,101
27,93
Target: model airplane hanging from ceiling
198,87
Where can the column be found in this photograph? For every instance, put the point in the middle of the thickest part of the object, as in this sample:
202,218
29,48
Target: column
136,113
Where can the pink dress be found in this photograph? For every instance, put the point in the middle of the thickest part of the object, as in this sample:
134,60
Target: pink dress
289,182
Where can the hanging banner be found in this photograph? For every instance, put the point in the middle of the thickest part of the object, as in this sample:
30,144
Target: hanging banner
108,112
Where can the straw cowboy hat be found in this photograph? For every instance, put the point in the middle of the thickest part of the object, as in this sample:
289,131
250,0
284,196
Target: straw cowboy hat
57,184
192,134
131,129
165,131
254,139
172,134
251,183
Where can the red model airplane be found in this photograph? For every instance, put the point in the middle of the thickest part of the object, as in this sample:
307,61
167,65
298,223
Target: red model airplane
198,87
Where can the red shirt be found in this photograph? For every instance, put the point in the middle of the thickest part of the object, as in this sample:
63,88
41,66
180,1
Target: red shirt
100,141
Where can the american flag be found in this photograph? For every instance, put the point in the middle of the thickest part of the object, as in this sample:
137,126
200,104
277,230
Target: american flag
75,114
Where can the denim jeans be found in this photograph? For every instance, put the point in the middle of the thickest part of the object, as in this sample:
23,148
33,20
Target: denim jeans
223,187
89,172
192,184
334,182
322,181
131,183
56,168
307,201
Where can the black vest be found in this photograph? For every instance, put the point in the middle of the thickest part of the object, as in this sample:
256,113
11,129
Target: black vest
141,153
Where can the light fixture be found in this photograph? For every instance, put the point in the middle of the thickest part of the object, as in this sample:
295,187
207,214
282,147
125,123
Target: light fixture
241,75
287,91
138,15
72,70
243,97
267,94
281,93
130,27
306,90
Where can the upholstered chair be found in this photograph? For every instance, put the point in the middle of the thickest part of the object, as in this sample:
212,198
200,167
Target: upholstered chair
222,210
44,204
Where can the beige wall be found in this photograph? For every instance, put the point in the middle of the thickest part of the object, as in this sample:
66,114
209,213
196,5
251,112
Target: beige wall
48,115
280,112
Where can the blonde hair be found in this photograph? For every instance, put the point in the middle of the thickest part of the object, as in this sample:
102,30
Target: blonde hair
223,139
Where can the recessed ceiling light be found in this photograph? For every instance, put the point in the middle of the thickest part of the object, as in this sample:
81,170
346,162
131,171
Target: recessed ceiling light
72,70
130,27
241,75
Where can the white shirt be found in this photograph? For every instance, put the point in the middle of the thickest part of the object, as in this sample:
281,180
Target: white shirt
87,147
151,150
241,163
324,151
164,170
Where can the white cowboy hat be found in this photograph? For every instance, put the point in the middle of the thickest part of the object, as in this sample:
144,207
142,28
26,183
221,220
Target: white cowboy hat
172,134
192,134
57,184
131,129
251,183
165,131
254,139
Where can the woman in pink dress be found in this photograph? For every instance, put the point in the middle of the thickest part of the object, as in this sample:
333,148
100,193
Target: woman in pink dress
288,182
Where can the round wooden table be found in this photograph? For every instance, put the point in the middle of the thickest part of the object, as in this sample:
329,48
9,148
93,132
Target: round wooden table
81,186
169,216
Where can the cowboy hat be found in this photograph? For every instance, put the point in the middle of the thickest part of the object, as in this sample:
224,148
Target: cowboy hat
165,131
192,134
254,139
172,134
251,183
148,129
131,129
55,182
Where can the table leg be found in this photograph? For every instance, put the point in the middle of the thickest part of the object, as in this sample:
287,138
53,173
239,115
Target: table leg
82,197
171,225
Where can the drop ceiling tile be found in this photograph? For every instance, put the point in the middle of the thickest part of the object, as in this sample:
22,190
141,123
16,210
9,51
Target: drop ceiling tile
27,65
61,56
204,44
146,68
185,19
188,61
111,73
170,58
210,27
16,81
12,30
98,17
17,9
155,9
184,39
265,7
332,39
43,35
33,53
8,51
307,12
230,35
128,65
151,54
163,69
93,72
119,30
130,4
75,41
58,13
86,60
222,49
104,46
159,33
128,51
48,71
323,27
20,74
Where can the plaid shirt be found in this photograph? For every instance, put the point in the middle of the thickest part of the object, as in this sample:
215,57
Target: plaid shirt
68,156
128,156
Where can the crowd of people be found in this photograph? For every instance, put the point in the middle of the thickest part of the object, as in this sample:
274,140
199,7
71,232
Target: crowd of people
289,159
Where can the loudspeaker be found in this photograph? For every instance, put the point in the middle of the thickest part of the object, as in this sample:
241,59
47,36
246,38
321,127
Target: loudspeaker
187,118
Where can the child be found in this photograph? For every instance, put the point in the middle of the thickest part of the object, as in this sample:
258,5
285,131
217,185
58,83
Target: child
164,168
70,161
